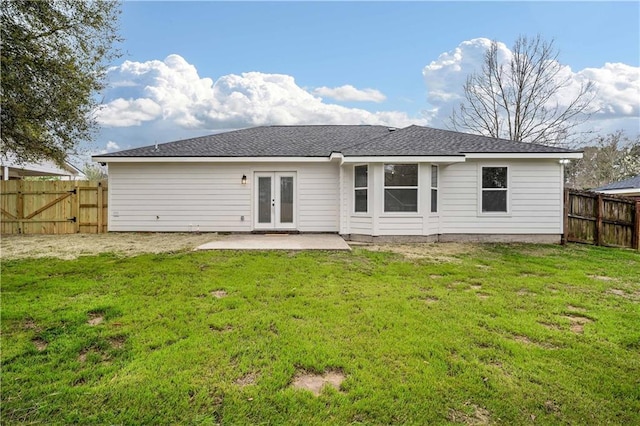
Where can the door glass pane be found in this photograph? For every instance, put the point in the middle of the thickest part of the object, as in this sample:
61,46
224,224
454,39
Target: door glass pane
286,199
264,200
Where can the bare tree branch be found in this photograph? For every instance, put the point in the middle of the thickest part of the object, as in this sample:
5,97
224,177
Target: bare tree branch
519,99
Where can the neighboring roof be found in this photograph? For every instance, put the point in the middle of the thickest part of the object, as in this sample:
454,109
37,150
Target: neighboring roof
631,183
43,168
322,140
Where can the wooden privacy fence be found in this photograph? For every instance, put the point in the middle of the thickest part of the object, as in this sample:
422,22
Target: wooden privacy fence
53,207
601,219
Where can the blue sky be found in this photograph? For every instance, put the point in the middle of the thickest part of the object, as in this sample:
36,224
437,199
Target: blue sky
302,48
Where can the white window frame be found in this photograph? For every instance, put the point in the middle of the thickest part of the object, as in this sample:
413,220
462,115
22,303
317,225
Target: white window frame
481,190
356,188
434,187
417,189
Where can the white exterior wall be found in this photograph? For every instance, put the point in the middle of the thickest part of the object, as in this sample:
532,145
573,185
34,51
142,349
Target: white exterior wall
535,201
378,223
186,197
183,197
535,197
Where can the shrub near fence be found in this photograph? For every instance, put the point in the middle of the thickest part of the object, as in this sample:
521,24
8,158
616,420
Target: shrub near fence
53,207
601,219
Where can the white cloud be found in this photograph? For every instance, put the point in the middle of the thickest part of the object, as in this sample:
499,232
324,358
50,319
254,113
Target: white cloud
171,91
158,101
616,105
131,112
618,88
348,93
112,146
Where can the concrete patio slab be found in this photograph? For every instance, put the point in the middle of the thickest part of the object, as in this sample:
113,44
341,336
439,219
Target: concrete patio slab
277,242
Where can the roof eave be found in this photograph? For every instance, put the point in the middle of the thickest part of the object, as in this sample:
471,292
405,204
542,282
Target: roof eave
405,158
202,159
524,155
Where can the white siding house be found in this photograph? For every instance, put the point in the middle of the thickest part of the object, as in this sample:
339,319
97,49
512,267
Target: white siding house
364,182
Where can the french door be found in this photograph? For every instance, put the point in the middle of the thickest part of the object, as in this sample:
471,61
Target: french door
275,200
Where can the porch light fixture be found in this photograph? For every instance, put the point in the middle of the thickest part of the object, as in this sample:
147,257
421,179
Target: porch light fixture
244,179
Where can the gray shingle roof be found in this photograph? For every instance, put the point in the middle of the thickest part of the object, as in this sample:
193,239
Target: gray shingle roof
630,183
321,141
266,141
418,140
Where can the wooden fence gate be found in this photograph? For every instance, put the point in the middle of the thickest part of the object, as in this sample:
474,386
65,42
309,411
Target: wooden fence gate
53,207
601,219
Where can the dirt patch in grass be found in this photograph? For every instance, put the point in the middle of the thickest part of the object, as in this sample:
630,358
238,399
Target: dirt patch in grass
72,246
601,277
219,294
430,299
483,296
577,323
576,308
117,342
550,326
95,319
525,292
40,344
477,415
316,382
30,324
435,252
476,286
220,328
618,292
527,341
522,339
247,379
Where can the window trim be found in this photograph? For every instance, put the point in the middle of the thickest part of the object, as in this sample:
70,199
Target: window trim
416,188
356,188
436,188
481,189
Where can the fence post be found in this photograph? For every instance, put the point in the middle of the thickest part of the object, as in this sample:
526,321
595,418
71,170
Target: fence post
636,227
599,214
565,219
100,207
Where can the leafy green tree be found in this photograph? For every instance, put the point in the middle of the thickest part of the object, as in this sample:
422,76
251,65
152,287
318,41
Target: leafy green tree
54,58
516,97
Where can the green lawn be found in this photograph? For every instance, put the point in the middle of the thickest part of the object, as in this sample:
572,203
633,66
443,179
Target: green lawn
512,334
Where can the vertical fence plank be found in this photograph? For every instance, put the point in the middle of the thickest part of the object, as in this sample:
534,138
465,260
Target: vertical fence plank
636,227
100,207
565,219
75,208
599,214
20,207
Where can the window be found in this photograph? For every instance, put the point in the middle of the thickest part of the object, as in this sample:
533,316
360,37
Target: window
400,187
434,189
494,189
360,184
